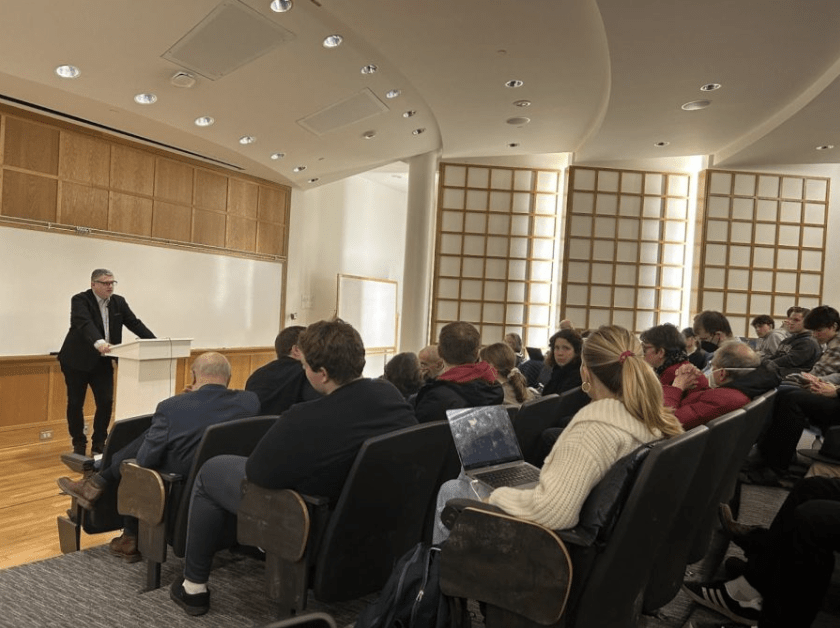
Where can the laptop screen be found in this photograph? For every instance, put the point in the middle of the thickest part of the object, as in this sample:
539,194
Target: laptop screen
483,436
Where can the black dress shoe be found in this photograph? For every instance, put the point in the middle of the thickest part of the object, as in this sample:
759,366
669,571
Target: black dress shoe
97,448
80,449
195,604
735,567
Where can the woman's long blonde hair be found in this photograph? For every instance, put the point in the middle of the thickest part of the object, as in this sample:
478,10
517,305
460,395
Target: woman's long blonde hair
501,357
614,356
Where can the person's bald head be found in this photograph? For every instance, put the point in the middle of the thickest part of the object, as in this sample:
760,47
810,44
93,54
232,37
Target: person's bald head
210,368
431,364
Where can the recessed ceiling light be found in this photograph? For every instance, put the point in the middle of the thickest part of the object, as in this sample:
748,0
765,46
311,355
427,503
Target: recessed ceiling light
709,87
276,156
393,93
825,147
145,99
522,103
661,144
184,80
247,139
418,131
514,83
513,144
281,6
369,135
333,41
694,105
369,69
313,180
410,113
518,121
298,168
204,121
68,71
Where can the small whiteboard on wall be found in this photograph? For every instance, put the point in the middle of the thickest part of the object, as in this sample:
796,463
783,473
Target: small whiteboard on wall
370,305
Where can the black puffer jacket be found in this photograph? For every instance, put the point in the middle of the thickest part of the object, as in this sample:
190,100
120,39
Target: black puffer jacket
438,396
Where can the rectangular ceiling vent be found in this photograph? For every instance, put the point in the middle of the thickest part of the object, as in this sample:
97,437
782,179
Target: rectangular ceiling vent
356,108
231,36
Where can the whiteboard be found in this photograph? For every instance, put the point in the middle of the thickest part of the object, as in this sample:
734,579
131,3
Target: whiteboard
217,300
370,305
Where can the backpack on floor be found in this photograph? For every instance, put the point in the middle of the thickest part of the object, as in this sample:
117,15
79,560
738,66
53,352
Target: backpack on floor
412,598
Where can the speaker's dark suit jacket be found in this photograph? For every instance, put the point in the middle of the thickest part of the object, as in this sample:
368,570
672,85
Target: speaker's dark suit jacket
86,328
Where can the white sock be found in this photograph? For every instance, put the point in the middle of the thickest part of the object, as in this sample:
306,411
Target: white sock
742,591
193,588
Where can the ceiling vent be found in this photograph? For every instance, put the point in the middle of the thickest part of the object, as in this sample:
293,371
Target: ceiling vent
231,36
358,107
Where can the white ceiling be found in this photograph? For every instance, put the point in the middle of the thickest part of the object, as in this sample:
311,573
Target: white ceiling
606,79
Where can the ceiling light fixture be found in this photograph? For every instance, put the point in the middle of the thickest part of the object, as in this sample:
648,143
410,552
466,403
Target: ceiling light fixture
298,168
514,83
518,121
522,103
709,87
513,144
410,113
333,41
281,6
418,131
313,180
369,135
204,121
247,139
145,99
661,144
696,105
369,69
825,147
184,80
393,93
68,71
276,156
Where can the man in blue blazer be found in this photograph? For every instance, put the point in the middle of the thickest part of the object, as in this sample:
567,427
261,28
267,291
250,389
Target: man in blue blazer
97,317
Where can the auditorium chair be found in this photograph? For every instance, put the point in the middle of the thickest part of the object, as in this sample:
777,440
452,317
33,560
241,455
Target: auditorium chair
160,501
104,516
537,415
347,552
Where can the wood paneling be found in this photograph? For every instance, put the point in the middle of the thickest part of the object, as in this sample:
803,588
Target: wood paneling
272,205
85,159
29,196
24,391
130,214
172,222
31,146
210,190
208,227
173,181
83,206
132,170
269,238
241,233
242,198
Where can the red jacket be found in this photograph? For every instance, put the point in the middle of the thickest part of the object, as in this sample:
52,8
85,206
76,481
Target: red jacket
701,405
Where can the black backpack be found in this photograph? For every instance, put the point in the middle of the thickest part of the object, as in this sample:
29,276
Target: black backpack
412,598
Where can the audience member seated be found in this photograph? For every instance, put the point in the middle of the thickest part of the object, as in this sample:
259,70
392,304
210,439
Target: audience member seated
664,350
712,329
728,390
403,371
501,357
626,411
696,355
534,368
465,382
799,351
282,383
769,338
430,363
172,439
789,566
803,399
564,360
514,341
310,449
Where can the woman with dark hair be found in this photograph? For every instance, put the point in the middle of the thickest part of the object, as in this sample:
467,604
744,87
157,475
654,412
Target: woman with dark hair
563,358
664,350
697,356
403,371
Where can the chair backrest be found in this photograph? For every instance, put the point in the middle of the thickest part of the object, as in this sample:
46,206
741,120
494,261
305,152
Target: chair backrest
534,417
697,511
611,595
104,517
238,438
381,511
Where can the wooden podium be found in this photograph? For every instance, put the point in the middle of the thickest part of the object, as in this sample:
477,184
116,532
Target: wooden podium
146,373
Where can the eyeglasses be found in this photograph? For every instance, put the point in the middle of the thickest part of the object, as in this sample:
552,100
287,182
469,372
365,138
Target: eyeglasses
106,283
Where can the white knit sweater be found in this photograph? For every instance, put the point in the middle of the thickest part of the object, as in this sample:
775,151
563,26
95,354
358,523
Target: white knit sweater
599,435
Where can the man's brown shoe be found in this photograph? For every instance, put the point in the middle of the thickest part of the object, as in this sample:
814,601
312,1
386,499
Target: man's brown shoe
125,546
86,491
736,531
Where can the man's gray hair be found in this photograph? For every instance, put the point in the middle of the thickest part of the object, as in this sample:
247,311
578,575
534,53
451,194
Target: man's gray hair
737,358
212,365
100,272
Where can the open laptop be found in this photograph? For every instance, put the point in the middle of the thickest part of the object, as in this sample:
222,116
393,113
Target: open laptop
488,448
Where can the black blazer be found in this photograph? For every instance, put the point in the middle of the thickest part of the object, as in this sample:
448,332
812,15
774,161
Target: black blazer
86,328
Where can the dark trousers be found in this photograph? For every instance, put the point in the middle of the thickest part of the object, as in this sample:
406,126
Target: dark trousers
794,410
791,564
112,475
101,382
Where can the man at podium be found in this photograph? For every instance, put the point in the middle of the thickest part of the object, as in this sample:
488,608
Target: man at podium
97,317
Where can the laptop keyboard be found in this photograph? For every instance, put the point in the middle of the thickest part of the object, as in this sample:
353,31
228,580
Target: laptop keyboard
510,476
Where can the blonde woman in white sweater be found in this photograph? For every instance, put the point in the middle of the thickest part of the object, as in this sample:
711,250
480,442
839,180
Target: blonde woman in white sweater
626,411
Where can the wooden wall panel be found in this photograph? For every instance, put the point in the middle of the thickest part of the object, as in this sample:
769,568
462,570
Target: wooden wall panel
272,204
242,198
29,196
24,391
132,170
84,159
172,222
130,214
31,146
208,227
269,238
173,181
84,206
210,190
241,234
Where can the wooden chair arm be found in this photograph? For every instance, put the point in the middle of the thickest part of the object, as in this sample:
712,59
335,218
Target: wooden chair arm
142,493
510,563
79,463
